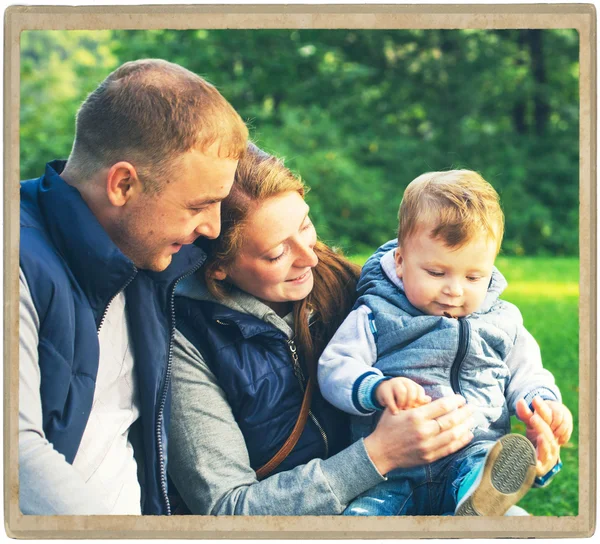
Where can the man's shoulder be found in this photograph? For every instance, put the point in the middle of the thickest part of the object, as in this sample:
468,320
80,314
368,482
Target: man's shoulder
29,209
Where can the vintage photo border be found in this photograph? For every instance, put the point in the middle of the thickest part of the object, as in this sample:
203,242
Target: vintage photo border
581,17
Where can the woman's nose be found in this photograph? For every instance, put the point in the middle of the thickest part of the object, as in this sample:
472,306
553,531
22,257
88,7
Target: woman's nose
307,255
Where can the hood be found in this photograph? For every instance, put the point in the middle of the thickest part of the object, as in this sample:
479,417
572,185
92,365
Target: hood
194,287
381,266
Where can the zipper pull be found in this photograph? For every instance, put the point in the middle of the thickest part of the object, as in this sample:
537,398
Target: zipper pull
296,363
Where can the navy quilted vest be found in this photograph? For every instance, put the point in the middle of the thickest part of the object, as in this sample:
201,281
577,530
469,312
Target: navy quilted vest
252,362
73,271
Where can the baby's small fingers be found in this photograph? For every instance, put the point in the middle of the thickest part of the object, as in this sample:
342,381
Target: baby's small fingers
413,392
421,395
557,420
523,411
546,456
544,411
563,433
385,396
400,395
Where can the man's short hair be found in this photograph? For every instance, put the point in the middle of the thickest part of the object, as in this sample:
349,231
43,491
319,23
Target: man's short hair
149,112
456,205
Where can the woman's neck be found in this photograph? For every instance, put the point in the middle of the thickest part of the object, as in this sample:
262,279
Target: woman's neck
280,308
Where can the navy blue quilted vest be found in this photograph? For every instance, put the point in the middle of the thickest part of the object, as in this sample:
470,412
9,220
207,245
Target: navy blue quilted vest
73,271
252,362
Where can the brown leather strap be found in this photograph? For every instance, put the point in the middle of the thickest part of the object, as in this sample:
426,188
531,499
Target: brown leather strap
289,444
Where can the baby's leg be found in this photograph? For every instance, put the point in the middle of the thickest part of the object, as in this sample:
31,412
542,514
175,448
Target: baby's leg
394,497
491,487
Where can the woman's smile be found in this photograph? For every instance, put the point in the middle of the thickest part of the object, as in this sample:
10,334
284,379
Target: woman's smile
302,278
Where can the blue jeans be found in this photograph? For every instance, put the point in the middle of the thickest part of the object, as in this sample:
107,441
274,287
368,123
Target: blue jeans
426,490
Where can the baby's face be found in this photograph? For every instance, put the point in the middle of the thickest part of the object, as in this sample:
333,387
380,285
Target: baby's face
439,280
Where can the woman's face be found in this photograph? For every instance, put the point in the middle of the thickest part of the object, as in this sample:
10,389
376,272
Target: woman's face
277,255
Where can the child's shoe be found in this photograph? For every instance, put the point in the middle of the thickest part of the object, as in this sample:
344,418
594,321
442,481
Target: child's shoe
501,481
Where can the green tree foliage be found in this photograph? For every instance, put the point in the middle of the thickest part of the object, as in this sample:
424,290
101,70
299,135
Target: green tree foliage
58,70
361,113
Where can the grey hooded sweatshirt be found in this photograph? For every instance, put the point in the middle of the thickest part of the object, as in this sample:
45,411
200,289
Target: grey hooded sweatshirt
208,459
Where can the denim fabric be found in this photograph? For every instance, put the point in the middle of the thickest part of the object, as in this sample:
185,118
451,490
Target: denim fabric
426,490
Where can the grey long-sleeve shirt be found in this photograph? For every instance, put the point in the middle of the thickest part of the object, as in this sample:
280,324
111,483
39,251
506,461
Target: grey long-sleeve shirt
103,476
48,484
208,459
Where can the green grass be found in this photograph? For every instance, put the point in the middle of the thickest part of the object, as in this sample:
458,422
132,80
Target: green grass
546,291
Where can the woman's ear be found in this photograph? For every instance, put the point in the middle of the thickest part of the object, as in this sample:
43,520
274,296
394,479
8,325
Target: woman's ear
219,274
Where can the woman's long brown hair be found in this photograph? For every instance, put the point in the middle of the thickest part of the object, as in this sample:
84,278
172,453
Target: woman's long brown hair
316,318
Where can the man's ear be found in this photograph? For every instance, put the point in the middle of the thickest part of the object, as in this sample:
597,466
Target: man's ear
122,183
399,261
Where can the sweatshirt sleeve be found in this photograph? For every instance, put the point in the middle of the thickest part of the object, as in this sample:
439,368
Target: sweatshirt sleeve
48,484
347,378
528,377
210,466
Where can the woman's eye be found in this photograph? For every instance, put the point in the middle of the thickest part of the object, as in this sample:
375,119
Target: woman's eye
307,225
435,274
275,259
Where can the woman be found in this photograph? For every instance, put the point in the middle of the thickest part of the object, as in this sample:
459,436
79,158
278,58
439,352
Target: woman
251,326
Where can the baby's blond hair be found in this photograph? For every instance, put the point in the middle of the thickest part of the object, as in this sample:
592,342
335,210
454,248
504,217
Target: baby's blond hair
456,205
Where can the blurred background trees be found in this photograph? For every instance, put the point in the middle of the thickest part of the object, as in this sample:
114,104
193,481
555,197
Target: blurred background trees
358,114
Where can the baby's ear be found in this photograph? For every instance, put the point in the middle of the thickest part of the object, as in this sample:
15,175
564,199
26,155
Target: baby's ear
399,262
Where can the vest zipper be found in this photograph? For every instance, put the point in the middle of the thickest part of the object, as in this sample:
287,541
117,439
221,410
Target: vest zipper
464,337
163,400
301,380
130,279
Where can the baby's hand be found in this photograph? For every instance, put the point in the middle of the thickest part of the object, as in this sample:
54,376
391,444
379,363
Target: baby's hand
548,427
560,420
400,394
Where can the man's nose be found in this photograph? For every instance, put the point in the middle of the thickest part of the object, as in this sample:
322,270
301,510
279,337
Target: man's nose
210,223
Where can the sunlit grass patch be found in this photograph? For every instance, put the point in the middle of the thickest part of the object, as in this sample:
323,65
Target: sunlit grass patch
550,289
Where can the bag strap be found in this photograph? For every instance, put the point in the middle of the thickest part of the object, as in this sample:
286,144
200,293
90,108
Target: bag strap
292,440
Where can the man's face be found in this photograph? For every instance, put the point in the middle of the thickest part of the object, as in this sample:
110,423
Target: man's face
150,228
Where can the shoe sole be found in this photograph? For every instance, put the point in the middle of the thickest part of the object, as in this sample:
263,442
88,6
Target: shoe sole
507,476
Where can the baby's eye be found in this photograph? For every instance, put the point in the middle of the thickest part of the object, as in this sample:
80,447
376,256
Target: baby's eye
473,278
435,274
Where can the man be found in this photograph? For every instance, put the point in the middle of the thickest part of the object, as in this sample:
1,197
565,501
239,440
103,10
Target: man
104,239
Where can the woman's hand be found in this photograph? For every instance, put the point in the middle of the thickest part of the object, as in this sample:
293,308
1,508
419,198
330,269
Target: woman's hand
420,435
539,431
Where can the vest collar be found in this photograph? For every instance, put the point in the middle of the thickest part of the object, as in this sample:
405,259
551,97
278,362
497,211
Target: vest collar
248,325
97,263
